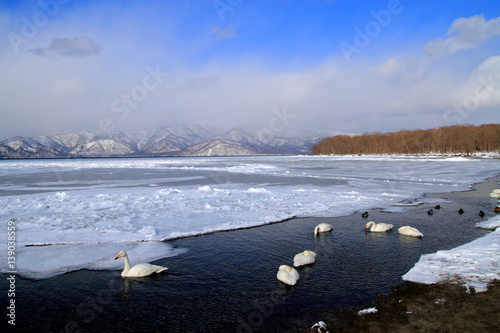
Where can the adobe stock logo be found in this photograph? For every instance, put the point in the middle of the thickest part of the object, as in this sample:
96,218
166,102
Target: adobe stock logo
127,102
278,123
31,26
484,89
223,6
363,37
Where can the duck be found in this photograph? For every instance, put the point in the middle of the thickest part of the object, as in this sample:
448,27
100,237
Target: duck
481,213
322,227
378,227
430,212
460,211
364,215
304,258
138,270
437,207
288,275
410,231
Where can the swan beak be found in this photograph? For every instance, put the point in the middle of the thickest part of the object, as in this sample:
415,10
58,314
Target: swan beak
118,256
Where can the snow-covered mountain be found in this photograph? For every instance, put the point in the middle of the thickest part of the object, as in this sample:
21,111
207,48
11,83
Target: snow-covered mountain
196,139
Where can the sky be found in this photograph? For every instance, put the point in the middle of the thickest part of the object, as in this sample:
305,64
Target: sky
341,66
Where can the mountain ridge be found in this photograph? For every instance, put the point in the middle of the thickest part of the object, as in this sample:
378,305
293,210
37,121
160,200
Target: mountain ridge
196,139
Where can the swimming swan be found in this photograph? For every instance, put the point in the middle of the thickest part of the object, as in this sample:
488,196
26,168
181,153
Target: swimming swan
410,231
495,194
288,275
138,270
378,227
304,258
322,227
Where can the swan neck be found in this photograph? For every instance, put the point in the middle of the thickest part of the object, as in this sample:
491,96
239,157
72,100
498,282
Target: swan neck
127,265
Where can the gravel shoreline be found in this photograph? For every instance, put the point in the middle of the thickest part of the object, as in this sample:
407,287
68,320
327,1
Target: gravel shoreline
416,307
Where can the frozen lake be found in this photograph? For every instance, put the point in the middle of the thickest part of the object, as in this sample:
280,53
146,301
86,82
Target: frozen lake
91,205
70,207
73,216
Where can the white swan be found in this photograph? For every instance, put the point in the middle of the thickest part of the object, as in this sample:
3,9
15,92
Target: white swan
410,231
304,258
495,194
288,275
322,227
378,227
138,270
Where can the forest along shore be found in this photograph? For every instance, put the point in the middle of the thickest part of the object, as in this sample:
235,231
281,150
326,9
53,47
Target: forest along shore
455,140
414,307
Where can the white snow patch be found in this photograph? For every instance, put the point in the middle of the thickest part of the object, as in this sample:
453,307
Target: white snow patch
473,265
367,311
490,224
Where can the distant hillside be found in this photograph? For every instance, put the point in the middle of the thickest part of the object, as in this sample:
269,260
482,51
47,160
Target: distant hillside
458,139
196,139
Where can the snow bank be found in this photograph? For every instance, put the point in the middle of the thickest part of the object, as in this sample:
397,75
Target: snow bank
473,265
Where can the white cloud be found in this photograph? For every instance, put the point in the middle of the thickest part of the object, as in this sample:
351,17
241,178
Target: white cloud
74,86
223,33
405,91
465,33
391,66
482,89
76,47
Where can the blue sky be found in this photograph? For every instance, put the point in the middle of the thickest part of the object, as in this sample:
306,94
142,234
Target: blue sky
344,66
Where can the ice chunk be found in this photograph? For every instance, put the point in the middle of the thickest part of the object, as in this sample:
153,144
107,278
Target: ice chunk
41,262
367,311
491,224
473,265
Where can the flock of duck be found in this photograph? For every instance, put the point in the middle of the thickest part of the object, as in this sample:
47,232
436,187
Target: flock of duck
288,274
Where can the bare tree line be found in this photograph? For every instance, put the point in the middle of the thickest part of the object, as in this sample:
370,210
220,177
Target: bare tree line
457,139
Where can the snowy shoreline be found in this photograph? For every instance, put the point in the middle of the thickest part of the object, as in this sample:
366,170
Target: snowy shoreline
474,265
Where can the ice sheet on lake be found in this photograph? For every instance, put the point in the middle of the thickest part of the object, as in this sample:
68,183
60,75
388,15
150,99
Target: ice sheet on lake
41,262
55,207
474,264
490,224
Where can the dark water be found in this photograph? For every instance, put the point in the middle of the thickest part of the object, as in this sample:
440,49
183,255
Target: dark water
227,281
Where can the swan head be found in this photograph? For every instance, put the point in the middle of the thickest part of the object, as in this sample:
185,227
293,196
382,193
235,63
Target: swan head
121,254
369,224
309,253
286,268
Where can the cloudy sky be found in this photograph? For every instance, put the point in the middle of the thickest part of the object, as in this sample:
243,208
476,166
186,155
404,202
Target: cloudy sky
345,66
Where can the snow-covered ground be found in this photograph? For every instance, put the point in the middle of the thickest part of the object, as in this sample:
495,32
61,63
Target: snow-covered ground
474,264
75,214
